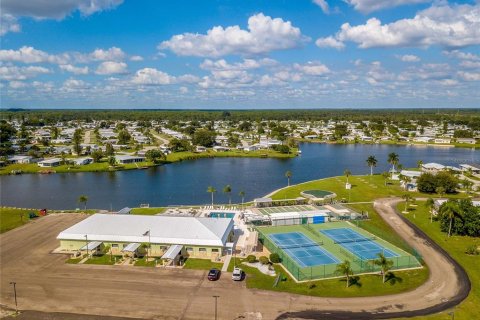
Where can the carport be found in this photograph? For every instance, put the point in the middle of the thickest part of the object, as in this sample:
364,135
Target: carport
172,256
92,248
131,249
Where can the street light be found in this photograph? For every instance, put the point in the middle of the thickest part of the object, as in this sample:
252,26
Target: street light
216,297
15,294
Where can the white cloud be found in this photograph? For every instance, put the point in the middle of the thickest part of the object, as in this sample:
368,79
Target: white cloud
136,58
151,76
55,9
8,23
264,35
329,42
17,84
112,67
469,76
448,82
322,4
367,6
470,64
462,55
409,58
111,54
71,85
444,25
32,55
73,69
312,68
21,73
246,64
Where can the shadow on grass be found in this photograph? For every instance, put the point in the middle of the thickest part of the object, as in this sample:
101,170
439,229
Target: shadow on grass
354,281
392,279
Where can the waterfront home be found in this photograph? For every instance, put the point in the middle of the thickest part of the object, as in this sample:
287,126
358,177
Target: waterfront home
219,149
423,139
187,236
466,140
48,163
432,167
253,147
82,161
20,159
126,159
474,168
311,136
442,140
200,149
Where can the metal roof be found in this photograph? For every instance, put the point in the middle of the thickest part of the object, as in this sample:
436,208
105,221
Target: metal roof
91,245
156,229
172,252
131,247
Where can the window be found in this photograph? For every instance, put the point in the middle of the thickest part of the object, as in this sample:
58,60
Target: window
202,249
214,250
114,245
189,249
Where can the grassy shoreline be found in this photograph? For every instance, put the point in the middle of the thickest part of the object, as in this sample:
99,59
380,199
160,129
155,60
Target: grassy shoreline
395,143
104,166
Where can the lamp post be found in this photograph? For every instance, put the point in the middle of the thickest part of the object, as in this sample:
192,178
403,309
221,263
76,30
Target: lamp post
15,294
216,298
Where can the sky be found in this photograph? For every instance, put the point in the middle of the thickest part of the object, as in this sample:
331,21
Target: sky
239,54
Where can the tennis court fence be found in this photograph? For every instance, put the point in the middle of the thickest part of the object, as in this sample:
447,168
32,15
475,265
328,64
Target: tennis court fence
357,264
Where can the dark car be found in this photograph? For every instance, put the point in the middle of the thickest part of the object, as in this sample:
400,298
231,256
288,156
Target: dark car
213,274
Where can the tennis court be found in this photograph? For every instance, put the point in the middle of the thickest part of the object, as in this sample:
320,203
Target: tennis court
304,251
358,244
297,208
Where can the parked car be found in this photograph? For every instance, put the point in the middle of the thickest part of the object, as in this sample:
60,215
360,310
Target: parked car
237,274
213,274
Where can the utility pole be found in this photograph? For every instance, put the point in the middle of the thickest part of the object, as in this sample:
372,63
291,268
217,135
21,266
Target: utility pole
15,295
86,240
216,298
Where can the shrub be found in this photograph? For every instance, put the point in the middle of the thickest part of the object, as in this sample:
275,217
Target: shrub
251,258
275,258
263,260
472,250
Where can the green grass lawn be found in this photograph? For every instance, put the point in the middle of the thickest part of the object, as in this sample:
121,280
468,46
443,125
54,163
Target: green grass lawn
455,246
148,211
144,263
201,264
187,155
365,285
74,260
11,218
103,259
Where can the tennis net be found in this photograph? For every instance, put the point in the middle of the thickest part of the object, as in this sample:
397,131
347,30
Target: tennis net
355,240
303,245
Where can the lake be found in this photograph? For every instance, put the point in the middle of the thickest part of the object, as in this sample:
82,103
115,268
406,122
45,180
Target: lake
186,182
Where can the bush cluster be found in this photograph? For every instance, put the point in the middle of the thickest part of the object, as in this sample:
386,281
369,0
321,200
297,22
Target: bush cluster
431,183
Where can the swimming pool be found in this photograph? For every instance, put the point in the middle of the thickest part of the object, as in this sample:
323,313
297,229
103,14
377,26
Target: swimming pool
229,215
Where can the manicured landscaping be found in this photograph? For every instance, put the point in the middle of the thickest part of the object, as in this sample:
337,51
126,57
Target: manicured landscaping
363,286
201,264
188,155
103,259
142,262
74,260
456,247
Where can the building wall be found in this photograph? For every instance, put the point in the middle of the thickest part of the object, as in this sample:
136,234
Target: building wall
156,250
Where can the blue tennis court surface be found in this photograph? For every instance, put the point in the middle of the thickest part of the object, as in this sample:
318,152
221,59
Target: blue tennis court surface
358,244
302,249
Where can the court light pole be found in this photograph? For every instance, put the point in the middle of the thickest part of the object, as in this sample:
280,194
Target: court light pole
216,298
86,241
15,294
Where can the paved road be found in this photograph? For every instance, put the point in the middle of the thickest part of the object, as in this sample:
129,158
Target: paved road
45,283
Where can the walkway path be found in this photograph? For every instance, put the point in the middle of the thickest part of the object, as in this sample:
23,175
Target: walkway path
226,263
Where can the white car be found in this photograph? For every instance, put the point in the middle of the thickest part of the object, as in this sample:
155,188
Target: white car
237,274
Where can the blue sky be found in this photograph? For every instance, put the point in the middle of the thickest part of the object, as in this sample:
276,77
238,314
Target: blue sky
239,54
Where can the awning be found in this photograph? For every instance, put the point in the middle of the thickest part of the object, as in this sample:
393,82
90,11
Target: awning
131,247
91,245
172,252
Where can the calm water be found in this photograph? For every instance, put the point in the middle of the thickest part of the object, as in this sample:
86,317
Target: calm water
186,182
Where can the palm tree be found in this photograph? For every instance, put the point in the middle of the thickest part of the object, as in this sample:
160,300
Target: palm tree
242,194
347,173
288,174
451,210
212,190
407,199
429,204
419,164
384,263
83,199
345,269
371,162
112,161
467,184
385,176
228,191
393,160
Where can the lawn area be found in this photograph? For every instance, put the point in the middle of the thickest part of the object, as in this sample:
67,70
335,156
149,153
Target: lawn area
144,263
11,218
74,260
187,155
455,246
201,264
364,188
103,259
365,285
148,211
